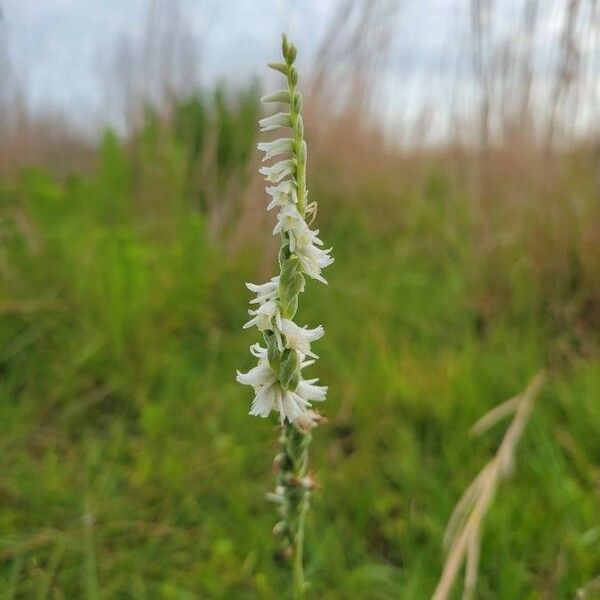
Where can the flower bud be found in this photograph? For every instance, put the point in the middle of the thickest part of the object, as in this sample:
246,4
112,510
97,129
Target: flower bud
290,57
278,96
293,75
307,420
281,67
285,45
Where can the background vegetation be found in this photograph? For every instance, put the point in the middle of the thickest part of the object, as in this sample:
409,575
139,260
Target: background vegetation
129,466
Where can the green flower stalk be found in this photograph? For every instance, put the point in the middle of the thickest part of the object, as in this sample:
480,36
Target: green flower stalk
277,379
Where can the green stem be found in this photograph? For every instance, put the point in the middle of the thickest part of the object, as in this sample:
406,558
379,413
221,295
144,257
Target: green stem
295,450
298,568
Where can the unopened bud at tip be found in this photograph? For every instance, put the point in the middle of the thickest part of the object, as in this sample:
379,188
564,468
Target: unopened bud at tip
281,67
290,57
285,46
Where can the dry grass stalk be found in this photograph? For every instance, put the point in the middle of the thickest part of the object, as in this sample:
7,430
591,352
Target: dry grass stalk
463,533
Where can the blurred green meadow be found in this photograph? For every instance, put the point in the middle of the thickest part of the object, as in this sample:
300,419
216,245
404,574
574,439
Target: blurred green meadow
129,465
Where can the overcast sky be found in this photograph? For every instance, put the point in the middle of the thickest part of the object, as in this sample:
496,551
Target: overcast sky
60,50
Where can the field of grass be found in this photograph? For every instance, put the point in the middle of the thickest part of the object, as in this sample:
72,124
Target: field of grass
129,465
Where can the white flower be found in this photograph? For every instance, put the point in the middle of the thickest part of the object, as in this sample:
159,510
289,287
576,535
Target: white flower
300,338
300,234
258,351
305,236
311,392
304,363
266,399
263,316
275,173
260,375
304,242
282,194
313,260
285,188
293,406
276,147
296,403
264,291
275,121
270,397
288,219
